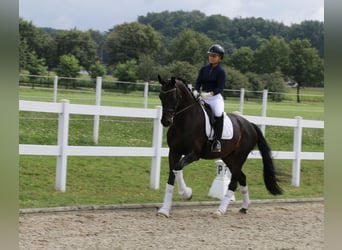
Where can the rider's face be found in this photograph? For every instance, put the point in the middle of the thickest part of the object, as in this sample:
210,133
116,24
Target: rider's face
214,58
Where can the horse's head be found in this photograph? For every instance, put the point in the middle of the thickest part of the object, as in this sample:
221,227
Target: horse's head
169,100
176,98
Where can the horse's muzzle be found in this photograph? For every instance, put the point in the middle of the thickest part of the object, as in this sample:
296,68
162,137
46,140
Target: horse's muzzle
167,122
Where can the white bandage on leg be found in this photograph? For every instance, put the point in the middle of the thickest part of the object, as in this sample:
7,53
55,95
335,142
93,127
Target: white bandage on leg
165,209
183,190
225,202
245,196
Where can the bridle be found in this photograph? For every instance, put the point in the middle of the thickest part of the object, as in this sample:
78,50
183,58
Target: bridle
174,111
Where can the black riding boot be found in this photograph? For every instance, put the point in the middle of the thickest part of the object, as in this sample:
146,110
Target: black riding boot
218,127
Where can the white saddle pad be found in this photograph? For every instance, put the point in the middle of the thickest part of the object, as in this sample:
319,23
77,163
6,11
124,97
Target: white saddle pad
227,132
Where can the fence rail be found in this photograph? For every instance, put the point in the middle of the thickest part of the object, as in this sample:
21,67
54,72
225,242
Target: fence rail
62,150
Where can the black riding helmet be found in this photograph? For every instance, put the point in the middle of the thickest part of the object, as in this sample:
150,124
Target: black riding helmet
217,49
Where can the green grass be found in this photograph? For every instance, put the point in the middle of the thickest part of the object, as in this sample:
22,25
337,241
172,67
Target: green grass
116,180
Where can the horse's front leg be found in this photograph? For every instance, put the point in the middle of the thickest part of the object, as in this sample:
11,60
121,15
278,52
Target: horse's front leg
183,189
176,171
167,203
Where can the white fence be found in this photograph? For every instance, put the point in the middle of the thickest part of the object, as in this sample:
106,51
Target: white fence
62,150
99,80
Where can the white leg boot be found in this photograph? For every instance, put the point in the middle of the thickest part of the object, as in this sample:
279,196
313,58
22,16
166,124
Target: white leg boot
183,190
245,199
165,209
224,203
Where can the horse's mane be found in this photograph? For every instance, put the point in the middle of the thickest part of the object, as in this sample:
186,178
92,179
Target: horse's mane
185,83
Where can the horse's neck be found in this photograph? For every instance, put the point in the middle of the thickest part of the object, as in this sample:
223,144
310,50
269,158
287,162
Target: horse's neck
187,98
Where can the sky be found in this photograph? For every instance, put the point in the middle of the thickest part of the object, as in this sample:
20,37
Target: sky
103,15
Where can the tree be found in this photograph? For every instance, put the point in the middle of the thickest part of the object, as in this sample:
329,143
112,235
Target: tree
36,39
271,56
254,82
305,66
252,32
24,54
126,71
274,83
33,47
68,66
242,59
77,43
190,46
171,23
37,65
130,40
97,69
181,69
235,80
100,39
311,30
216,27
146,68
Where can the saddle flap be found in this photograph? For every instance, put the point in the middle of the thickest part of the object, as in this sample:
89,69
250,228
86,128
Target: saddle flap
227,132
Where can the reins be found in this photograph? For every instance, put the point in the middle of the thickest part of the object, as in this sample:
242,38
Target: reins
186,108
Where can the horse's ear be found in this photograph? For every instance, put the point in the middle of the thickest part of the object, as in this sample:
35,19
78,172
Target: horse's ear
161,81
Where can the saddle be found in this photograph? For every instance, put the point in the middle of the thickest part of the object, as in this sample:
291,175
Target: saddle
210,113
227,132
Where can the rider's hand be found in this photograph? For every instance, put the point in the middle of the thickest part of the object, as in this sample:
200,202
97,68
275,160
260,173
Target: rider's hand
195,93
206,94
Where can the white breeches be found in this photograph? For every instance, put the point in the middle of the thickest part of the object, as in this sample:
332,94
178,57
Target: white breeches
216,103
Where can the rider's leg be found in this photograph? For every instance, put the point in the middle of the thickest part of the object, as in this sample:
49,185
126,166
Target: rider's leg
216,102
218,127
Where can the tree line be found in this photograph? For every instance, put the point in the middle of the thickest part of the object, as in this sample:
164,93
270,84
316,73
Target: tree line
259,53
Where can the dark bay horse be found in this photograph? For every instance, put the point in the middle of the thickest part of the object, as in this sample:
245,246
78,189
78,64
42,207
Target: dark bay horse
188,142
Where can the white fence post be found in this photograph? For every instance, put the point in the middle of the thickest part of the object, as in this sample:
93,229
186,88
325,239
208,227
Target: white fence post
55,86
98,103
145,94
297,148
157,146
264,108
63,132
242,100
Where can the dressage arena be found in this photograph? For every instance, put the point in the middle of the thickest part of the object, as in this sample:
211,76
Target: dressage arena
281,224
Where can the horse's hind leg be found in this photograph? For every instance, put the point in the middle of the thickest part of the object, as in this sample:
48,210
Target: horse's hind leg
236,177
227,197
244,192
234,162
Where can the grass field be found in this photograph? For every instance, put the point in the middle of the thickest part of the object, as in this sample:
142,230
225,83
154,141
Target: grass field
116,180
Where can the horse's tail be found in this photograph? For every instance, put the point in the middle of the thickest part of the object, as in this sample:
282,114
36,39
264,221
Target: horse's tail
270,178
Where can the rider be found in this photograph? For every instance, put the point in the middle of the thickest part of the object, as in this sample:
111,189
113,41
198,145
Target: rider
212,78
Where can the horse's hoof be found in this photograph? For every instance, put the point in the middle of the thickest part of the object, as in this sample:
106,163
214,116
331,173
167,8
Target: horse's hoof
187,195
217,214
163,212
243,210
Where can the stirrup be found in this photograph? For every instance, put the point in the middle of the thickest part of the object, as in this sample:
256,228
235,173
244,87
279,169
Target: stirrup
216,146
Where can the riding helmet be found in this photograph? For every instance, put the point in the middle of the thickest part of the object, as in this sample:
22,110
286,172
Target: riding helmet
217,49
